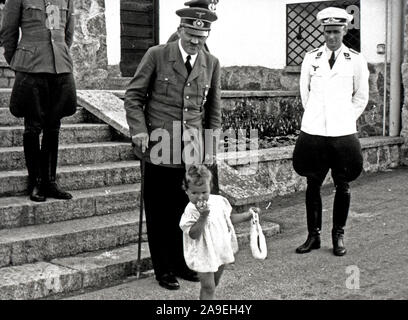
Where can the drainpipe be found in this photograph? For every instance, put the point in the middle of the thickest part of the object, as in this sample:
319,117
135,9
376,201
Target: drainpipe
397,11
385,67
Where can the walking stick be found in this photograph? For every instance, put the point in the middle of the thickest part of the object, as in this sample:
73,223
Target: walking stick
139,245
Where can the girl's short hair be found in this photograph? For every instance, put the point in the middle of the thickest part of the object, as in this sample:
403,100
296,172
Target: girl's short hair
197,175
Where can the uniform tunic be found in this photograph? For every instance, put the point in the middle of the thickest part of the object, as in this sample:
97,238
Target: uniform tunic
162,96
215,246
47,33
333,99
44,88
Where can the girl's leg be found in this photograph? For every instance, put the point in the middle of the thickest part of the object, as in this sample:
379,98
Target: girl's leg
217,275
207,290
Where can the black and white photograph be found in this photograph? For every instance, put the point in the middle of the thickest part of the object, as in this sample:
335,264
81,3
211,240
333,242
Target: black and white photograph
125,125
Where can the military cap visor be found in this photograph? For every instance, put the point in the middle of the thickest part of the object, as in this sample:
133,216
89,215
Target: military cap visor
195,32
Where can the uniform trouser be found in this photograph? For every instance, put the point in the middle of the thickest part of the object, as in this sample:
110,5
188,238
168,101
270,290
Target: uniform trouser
42,99
312,158
165,201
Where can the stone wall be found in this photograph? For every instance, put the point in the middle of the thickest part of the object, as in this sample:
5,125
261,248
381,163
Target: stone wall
258,78
257,177
89,50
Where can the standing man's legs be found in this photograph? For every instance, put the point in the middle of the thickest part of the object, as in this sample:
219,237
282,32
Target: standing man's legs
347,164
32,153
310,160
165,201
43,99
59,100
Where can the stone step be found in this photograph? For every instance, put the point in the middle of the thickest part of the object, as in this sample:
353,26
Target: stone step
61,239
7,119
92,270
19,211
70,133
12,158
71,274
76,177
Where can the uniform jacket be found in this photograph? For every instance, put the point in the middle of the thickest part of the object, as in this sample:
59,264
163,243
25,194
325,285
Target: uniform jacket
161,96
333,99
47,31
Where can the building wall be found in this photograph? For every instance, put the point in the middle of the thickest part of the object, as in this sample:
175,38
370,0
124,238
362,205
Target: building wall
257,30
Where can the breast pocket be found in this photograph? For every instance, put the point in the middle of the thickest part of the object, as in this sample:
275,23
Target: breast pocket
345,80
32,11
163,84
316,80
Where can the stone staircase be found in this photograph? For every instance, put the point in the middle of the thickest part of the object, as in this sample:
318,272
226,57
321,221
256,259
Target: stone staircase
40,243
59,247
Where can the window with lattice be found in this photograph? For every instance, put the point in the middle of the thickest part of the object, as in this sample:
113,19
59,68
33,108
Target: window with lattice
304,32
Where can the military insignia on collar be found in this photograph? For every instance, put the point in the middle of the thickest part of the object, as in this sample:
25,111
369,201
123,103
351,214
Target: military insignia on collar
315,68
347,55
319,54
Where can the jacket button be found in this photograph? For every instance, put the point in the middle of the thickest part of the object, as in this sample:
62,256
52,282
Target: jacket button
188,84
184,121
186,109
187,97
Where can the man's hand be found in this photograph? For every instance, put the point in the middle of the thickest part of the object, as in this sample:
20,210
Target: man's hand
141,140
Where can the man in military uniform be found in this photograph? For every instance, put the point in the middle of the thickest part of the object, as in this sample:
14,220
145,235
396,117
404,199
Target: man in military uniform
173,97
334,92
44,88
210,5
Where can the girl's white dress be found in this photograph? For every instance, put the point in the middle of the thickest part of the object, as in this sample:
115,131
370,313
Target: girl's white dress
218,242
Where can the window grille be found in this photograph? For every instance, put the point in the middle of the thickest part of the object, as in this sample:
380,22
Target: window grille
304,32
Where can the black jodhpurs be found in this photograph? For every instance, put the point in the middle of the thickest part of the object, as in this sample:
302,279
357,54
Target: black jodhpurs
313,156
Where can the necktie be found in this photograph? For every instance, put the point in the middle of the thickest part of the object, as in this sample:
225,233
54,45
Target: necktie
188,65
332,60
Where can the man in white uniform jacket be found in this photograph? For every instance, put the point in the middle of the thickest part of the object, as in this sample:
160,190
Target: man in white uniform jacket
334,91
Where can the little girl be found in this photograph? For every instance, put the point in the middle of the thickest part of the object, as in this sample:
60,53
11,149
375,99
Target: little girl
208,234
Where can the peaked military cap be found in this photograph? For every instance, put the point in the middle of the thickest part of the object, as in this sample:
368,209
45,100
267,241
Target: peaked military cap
333,16
197,20
206,4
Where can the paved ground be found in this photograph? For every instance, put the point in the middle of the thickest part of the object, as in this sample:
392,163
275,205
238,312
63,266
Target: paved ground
376,262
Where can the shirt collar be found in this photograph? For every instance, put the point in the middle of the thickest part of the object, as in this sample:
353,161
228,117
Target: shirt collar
185,54
336,53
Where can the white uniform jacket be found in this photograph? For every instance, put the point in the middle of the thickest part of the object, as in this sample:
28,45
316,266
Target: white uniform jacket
333,99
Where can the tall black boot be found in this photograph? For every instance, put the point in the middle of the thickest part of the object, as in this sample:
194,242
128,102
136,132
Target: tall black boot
340,213
31,145
338,241
49,152
314,218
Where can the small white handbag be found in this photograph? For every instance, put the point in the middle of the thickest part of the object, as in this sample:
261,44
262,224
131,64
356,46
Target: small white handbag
257,238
